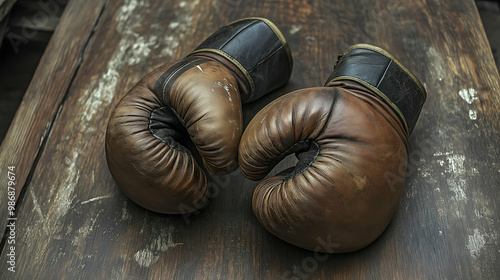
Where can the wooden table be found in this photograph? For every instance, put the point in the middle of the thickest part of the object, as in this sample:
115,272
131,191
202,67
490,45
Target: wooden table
74,223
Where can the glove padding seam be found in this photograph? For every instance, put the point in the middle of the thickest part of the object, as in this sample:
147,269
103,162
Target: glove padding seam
166,81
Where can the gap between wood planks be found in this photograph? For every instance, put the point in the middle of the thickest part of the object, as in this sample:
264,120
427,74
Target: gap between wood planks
50,124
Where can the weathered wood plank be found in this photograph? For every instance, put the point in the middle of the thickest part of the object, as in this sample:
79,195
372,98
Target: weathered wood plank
128,36
75,220
32,122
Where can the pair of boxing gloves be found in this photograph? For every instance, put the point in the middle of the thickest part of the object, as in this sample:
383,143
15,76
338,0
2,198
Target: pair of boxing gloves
350,136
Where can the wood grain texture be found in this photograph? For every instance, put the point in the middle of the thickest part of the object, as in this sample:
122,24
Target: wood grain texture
74,220
45,94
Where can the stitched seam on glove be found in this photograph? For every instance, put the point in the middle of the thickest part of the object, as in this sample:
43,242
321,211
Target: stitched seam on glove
378,93
266,58
282,39
166,81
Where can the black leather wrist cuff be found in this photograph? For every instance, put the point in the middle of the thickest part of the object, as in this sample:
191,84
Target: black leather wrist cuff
383,74
258,49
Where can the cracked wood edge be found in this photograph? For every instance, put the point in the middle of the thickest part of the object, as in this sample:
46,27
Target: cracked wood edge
41,103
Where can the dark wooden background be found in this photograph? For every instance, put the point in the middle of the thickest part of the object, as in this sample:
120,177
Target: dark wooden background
74,223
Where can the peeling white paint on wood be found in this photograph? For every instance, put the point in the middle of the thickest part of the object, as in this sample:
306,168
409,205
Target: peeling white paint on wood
65,195
457,180
164,241
171,43
295,28
456,164
454,168
86,229
141,49
437,154
38,210
159,244
132,49
457,186
475,243
126,11
97,198
100,93
437,62
473,114
145,258
179,28
173,25
469,95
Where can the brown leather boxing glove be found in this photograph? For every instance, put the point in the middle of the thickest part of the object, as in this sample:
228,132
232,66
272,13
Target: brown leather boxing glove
350,138
189,110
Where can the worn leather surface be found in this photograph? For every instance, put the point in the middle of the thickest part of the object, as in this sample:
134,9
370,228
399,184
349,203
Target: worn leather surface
386,76
352,152
179,120
264,63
